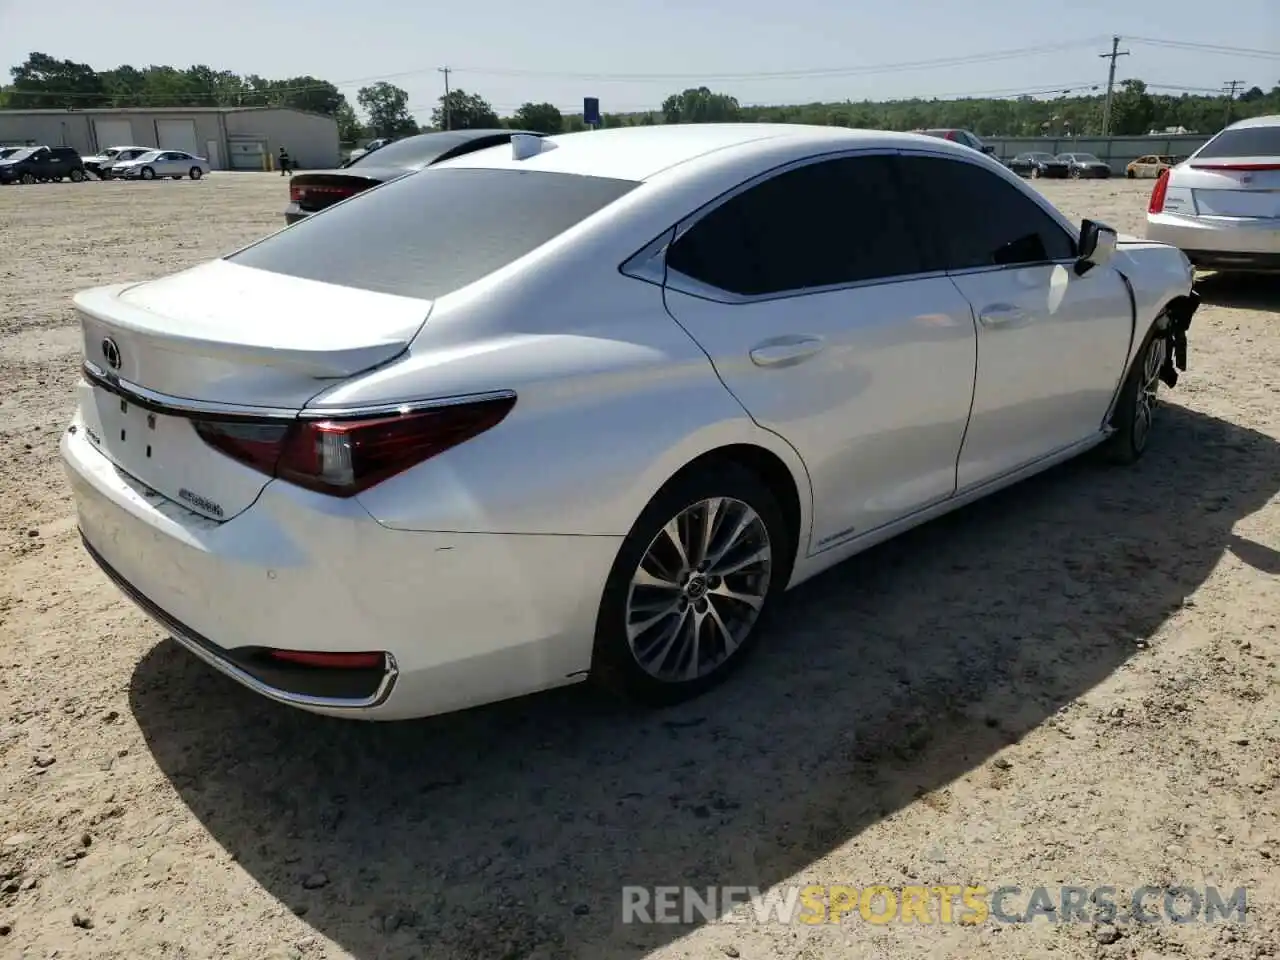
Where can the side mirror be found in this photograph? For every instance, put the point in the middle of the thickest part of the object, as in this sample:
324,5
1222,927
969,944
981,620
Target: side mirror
1097,245
988,149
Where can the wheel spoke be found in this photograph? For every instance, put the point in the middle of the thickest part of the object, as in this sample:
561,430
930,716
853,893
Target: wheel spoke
636,629
655,658
745,522
672,531
710,518
643,578
724,569
752,600
727,641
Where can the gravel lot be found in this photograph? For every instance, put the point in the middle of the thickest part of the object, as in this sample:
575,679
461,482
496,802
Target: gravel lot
1072,683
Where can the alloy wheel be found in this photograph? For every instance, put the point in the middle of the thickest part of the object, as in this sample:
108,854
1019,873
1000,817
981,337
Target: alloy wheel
699,589
1145,403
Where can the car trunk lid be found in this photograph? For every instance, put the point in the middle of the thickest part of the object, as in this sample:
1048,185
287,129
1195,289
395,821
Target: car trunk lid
1234,187
164,355
316,190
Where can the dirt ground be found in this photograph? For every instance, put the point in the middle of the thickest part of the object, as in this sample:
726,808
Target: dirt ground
1072,683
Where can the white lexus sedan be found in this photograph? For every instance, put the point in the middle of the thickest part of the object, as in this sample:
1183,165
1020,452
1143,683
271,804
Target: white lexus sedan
1221,205
161,163
585,406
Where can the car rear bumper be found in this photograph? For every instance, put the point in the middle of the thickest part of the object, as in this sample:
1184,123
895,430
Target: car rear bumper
1219,243
463,619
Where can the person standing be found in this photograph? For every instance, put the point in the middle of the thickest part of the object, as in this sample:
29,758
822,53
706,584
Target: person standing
286,165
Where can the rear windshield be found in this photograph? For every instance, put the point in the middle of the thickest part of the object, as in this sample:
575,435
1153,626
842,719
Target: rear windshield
404,153
1244,142
435,231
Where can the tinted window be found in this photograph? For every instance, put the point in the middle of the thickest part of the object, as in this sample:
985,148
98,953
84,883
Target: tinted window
432,232
1244,142
978,219
411,151
825,223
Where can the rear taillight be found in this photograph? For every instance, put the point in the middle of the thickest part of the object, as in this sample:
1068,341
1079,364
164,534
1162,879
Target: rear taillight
1158,191
342,457
300,192
1242,167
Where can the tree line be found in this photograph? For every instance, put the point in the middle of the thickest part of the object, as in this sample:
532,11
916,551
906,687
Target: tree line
43,81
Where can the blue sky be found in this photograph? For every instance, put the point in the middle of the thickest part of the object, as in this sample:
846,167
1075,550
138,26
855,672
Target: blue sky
632,53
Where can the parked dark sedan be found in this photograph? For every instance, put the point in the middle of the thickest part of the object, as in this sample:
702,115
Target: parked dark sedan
1085,165
1036,165
314,190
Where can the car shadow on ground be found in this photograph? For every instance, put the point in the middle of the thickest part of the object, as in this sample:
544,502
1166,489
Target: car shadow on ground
510,830
1243,291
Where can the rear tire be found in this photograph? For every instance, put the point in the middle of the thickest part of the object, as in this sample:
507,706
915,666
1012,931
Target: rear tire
670,627
1035,173
77,176
195,173
1075,174
1134,414
27,178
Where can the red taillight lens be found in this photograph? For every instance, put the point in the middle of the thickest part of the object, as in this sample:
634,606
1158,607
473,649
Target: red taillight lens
1245,167
307,191
951,135
344,457
1158,192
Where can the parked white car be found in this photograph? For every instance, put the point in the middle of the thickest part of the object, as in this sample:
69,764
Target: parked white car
1221,205
161,163
585,406
100,164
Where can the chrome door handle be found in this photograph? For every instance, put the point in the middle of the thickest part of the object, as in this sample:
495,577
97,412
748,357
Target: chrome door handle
785,351
1001,314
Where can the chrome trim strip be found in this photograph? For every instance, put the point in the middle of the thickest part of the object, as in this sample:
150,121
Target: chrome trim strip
198,645
165,403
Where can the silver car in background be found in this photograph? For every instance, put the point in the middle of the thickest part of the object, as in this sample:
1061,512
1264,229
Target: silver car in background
1221,206
161,163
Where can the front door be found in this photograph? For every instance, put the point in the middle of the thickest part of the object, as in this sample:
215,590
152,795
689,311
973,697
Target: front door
1051,345
805,290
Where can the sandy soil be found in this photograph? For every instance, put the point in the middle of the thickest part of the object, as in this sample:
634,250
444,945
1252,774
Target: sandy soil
1074,683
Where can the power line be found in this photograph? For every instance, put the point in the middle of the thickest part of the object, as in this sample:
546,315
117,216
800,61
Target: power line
1207,47
809,73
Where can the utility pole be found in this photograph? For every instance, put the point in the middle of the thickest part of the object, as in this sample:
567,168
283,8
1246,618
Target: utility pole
1111,82
446,71
1232,86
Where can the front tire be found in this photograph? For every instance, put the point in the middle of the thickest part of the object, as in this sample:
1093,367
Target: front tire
691,586
148,174
1134,415
1035,173
27,178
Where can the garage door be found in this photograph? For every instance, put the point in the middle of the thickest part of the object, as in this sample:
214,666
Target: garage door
178,135
113,133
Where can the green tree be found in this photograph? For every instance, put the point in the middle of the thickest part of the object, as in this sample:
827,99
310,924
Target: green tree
464,111
700,105
350,129
388,108
538,117
42,81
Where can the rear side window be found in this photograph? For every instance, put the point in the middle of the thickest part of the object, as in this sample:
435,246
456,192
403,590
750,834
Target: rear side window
1244,142
823,224
977,219
433,232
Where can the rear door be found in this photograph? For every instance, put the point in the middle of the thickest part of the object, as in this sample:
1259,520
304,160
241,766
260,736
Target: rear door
806,289
1051,345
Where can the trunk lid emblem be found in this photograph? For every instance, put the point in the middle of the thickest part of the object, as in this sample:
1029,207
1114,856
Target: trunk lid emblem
111,353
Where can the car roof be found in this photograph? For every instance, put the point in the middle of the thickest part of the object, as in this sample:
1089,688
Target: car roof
641,153
1270,120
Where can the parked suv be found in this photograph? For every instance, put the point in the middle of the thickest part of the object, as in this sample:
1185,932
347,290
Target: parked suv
42,164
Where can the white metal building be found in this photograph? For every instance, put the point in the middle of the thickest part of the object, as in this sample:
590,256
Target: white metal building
234,138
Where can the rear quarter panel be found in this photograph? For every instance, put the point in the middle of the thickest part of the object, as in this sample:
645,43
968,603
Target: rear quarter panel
610,406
